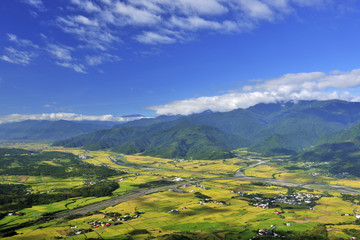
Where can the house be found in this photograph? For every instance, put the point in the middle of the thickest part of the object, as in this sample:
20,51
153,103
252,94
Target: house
265,231
178,179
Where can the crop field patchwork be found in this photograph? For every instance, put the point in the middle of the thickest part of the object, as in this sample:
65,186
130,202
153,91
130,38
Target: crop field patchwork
209,204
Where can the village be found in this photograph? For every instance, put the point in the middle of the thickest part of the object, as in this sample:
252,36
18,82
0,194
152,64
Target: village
306,200
109,219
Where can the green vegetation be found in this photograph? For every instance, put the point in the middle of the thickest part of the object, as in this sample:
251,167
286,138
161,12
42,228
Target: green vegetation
62,165
14,197
274,145
183,140
342,158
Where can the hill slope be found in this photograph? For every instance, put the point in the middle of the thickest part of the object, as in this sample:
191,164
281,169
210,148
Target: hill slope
185,141
168,140
342,157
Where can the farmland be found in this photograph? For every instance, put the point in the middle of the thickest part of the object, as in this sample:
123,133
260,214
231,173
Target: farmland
206,202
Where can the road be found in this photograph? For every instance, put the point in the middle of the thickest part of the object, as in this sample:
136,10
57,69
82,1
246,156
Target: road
239,173
116,200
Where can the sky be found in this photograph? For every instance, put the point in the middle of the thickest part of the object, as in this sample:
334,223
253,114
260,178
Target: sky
105,59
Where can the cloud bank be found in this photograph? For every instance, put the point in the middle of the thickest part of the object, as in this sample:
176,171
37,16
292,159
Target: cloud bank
102,27
295,87
65,116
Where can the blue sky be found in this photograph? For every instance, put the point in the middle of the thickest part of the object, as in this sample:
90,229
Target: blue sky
101,59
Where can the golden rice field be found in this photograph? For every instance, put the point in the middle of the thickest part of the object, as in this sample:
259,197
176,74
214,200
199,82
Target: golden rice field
264,171
226,166
207,218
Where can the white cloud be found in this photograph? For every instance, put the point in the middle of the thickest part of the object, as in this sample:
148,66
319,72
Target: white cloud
207,7
299,86
35,3
86,5
99,59
101,27
80,68
151,6
17,56
93,33
64,116
21,42
154,38
86,21
196,23
133,15
313,81
255,9
154,17
62,55
60,52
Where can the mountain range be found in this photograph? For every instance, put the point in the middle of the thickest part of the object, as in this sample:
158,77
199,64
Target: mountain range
272,129
44,130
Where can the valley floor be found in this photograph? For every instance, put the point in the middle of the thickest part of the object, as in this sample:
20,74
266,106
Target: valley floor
241,198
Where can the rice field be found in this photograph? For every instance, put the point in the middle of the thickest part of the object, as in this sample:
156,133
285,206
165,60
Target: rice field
180,211
211,217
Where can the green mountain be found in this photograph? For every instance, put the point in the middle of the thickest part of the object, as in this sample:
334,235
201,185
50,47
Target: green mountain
275,128
304,123
168,140
342,157
184,141
47,130
274,145
341,136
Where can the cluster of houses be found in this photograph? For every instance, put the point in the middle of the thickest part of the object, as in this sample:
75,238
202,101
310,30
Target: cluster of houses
357,216
82,157
268,232
178,179
176,160
202,187
173,211
76,231
96,224
113,219
17,214
313,164
258,200
95,182
206,200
